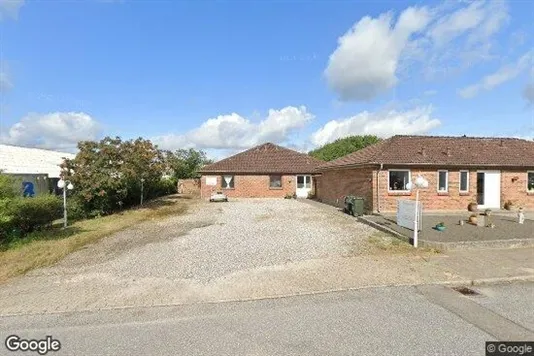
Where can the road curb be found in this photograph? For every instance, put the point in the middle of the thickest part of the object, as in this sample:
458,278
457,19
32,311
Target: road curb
470,282
464,282
488,281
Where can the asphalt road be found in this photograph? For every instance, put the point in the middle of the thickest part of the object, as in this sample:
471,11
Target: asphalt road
425,320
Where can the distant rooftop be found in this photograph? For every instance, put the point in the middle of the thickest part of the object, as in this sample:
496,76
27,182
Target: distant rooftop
25,160
265,158
442,150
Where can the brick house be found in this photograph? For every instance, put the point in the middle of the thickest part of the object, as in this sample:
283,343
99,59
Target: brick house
266,171
460,170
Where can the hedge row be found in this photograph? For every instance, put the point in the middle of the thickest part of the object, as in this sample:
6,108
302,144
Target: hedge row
19,216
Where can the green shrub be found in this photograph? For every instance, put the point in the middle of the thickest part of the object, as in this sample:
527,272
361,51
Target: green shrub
22,215
165,186
6,220
7,187
76,209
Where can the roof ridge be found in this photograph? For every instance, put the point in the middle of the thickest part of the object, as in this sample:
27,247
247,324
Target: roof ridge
267,148
444,150
37,148
376,145
464,137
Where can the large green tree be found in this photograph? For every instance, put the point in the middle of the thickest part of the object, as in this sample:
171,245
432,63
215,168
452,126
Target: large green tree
343,146
185,163
108,175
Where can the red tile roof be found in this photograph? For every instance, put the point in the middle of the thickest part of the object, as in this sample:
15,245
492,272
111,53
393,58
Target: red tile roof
266,158
442,151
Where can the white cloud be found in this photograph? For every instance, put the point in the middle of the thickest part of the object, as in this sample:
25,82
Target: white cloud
382,124
366,59
236,132
5,82
502,75
528,93
528,90
480,20
463,37
59,130
10,8
372,56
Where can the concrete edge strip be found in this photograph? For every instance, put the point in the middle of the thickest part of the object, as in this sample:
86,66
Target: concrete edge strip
487,320
464,282
383,228
440,245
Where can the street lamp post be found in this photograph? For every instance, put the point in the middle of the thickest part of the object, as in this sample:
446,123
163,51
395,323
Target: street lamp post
419,183
65,184
142,182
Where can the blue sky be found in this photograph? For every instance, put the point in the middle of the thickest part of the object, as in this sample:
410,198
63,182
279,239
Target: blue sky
226,75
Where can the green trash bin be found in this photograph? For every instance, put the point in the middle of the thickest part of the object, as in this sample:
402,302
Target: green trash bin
354,205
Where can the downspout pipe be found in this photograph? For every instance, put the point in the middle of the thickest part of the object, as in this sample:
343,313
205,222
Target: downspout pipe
378,187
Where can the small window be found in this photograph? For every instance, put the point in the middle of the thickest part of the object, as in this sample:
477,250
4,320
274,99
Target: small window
308,182
275,181
443,181
300,182
227,182
464,181
530,181
398,179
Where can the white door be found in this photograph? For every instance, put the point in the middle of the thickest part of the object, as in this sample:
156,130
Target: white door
489,189
304,186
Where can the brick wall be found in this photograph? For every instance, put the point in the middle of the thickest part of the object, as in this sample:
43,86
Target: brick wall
430,198
454,199
251,186
334,184
514,188
373,186
189,186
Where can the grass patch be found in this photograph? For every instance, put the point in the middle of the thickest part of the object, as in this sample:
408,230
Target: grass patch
44,248
263,217
383,242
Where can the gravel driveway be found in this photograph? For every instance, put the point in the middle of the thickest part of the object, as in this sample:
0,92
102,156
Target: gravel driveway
205,255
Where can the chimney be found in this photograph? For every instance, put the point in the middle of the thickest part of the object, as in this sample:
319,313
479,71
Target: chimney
502,142
423,153
448,151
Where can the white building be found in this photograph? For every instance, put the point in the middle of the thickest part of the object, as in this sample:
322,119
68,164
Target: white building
37,166
23,160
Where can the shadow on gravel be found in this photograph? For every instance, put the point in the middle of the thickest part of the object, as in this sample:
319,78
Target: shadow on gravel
137,237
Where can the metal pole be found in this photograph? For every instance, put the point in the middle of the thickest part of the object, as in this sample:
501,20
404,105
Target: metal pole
142,191
65,206
415,223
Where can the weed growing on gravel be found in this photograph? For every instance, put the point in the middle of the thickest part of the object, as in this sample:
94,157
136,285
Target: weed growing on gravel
44,248
387,243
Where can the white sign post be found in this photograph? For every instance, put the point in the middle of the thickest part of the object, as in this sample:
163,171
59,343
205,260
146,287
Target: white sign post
419,182
405,212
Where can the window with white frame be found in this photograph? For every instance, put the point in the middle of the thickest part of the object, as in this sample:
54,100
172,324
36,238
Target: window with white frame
443,181
398,179
530,181
227,182
464,181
